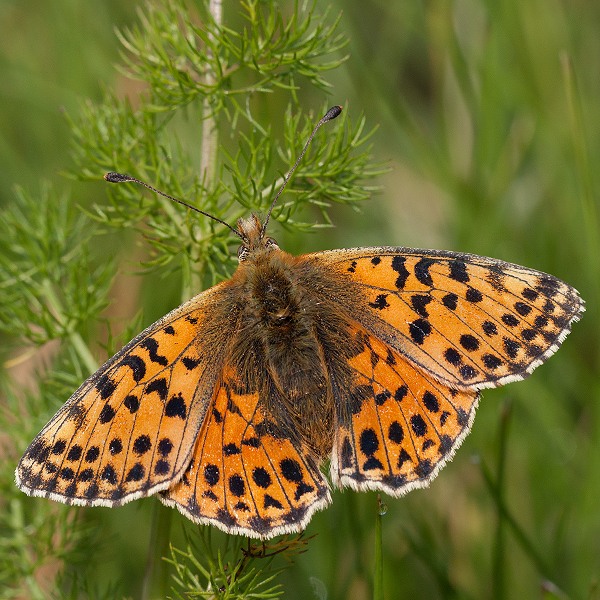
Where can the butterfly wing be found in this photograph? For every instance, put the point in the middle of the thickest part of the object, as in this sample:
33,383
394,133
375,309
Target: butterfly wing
402,426
245,477
434,328
469,321
130,429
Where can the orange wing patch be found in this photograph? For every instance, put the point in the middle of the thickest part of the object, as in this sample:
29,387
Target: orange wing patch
243,477
404,424
469,321
129,430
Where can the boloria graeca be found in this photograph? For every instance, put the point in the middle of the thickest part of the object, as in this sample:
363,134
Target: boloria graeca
371,357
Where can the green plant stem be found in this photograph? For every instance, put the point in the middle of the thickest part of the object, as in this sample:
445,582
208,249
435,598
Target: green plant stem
210,133
78,343
378,575
18,523
498,558
209,148
84,352
517,530
156,578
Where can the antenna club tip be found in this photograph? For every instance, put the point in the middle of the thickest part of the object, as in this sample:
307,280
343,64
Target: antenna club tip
116,177
332,113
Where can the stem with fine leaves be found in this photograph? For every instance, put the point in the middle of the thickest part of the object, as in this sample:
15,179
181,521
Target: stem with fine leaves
210,145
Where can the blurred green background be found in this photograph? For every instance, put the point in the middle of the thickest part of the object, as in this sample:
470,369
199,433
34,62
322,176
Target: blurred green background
489,119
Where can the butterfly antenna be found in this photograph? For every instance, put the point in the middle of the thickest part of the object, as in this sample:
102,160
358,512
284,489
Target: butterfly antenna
120,178
331,114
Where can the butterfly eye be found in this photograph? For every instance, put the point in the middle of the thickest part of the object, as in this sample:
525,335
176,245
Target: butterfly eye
271,243
243,253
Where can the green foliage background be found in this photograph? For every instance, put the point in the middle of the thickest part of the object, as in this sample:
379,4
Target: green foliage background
489,120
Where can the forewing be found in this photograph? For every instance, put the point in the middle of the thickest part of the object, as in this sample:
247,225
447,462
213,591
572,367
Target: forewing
244,477
469,321
397,425
129,430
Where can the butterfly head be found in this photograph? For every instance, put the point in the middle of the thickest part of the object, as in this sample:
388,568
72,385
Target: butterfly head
252,233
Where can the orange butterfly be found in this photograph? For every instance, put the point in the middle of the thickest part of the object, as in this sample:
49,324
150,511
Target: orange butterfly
372,358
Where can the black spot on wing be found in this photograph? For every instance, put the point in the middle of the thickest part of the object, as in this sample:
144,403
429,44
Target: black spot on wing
419,330
418,425
382,397
369,443
400,393
522,308
469,342
380,302
452,355
395,432
137,366
161,467
106,387
176,407
398,264
431,402
159,386
92,454
107,414
530,294
75,453
511,347
211,474
458,271
346,453
165,446
496,278
261,477
491,361
252,442
237,486
115,446
548,286
424,468
509,320
270,502
136,473
422,271
489,328
419,303
151,345
86,475
109,475
291,470
59,447
450,301
231,449
190,363
132,403
142,444
468,372
474,296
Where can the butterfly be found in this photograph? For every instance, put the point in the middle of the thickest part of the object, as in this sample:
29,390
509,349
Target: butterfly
370,358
